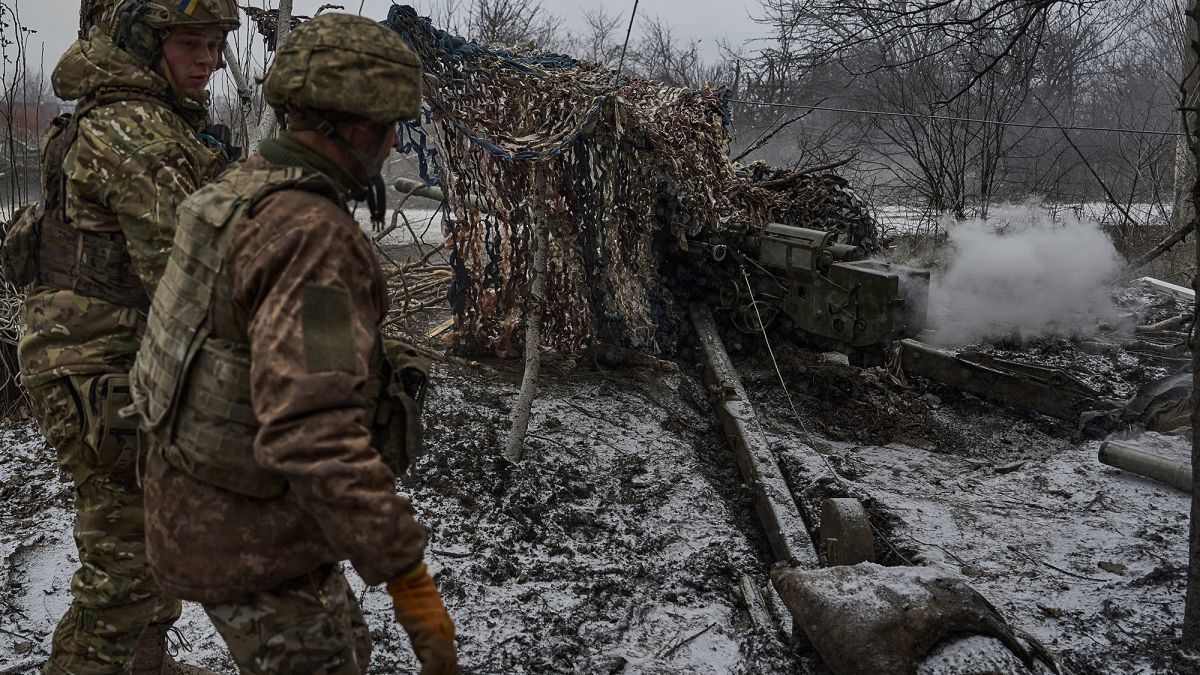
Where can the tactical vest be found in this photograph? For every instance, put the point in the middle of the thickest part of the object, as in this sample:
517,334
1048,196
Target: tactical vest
191,389
42,247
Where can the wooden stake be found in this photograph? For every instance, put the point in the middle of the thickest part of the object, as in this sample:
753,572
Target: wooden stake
533,323
266,126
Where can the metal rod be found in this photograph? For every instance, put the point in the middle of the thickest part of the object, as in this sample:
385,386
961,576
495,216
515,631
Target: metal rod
1177,474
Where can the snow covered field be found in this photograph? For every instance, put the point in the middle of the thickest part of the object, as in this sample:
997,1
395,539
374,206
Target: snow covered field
618,542
899,219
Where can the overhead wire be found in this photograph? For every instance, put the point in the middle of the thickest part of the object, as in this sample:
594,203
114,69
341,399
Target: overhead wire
947,118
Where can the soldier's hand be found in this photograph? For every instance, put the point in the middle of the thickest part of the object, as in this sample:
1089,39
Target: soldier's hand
420,610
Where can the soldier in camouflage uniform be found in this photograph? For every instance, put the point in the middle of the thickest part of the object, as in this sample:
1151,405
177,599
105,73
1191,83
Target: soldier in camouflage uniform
278,414
131,153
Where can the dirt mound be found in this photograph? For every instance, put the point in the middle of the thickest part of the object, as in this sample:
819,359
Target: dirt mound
845,403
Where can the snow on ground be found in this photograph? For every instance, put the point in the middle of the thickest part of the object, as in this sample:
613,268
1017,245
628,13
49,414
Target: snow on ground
1087,559
898,219
35,540
619,536
617,543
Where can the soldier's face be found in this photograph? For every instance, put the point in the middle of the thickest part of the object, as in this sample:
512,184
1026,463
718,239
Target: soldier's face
191,54
390,144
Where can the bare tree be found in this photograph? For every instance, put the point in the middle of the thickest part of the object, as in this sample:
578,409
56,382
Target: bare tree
512,23
951,89
600,37
660,56
266,125
448,16
21,111
1191,611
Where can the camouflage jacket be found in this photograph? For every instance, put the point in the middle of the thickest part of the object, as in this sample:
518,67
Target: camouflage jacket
132,164
209,544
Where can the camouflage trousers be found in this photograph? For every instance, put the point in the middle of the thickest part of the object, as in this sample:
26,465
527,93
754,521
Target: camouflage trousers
312,624
115,600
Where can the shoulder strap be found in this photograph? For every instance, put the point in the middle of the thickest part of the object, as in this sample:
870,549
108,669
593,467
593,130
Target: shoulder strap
58,147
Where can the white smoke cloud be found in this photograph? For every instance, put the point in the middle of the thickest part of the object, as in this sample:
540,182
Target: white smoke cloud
1024,272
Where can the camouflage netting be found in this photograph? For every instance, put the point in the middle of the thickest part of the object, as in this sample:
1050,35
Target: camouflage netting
635,176
633,173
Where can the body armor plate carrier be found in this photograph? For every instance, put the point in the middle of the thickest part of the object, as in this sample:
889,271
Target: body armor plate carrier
42,247
191,389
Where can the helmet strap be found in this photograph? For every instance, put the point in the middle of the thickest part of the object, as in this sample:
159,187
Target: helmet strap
376,191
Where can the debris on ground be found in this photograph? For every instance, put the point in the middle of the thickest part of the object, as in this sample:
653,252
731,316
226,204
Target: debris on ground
621,539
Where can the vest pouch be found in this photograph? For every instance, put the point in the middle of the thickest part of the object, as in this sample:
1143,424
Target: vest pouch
96,264
396,432
18,254
112,438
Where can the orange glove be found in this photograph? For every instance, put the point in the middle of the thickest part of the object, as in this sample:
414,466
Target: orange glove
420,610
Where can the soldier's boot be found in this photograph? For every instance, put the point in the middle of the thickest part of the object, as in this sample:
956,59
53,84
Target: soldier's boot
154,658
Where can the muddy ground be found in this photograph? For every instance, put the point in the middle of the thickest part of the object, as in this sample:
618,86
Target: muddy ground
616,544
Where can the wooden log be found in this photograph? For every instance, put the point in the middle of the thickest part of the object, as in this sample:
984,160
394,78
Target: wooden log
777,509
756,606
1163,246
417,188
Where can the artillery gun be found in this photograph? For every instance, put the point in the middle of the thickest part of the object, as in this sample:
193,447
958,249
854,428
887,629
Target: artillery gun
829,294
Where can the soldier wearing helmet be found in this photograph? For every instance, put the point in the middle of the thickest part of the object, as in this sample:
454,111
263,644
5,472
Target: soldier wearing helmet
112,177
278,415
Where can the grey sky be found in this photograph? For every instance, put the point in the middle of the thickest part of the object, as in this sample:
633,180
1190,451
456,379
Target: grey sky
56,21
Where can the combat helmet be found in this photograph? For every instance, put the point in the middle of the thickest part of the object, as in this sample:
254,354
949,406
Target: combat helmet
139,26
347,64
340,68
